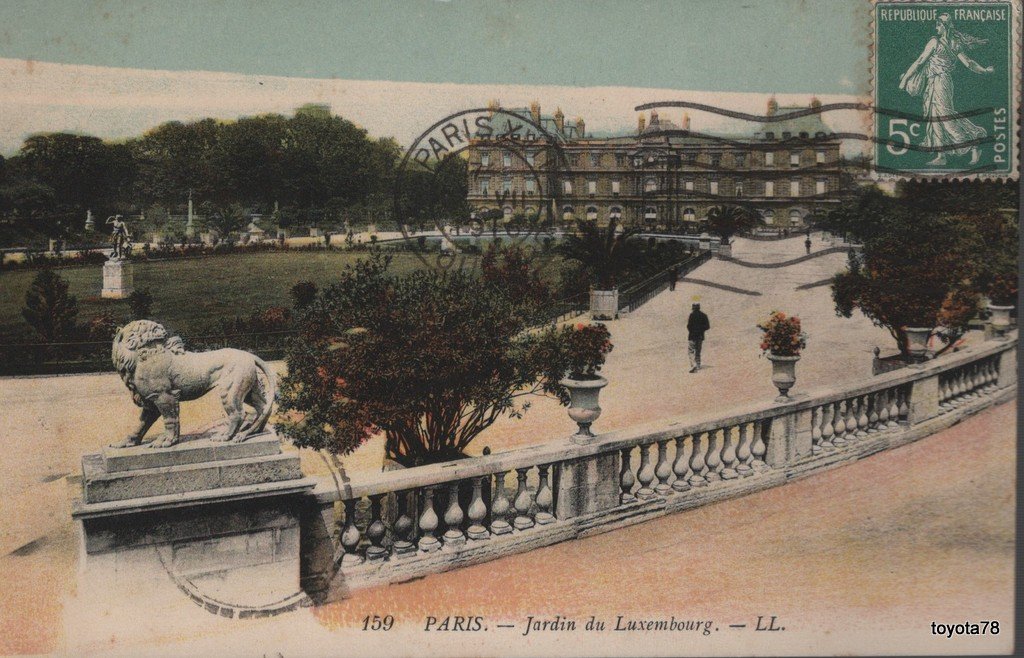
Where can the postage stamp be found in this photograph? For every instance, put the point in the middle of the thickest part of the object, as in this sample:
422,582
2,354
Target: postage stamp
946,80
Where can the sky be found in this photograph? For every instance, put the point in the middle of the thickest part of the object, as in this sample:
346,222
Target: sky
115,68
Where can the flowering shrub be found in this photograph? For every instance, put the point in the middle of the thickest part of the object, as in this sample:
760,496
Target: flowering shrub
782,335
586,347
1002,290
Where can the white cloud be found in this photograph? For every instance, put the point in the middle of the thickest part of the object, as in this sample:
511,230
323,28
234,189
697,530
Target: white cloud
116,103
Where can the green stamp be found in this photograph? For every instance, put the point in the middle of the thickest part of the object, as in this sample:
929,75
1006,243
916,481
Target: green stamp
945,88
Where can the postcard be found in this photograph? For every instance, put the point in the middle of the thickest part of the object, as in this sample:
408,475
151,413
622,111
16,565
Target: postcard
450,328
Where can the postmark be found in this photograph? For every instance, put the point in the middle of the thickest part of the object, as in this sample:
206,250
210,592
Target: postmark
948,74
512,136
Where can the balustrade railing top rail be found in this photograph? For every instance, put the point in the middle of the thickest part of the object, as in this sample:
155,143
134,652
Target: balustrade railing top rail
562,449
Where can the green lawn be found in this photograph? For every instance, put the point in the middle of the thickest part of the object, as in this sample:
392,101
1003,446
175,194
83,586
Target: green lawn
191,293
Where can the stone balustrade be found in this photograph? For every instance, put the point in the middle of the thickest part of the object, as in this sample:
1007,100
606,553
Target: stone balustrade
406,523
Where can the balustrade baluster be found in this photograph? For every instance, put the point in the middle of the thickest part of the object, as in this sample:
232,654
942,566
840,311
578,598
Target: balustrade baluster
958,386
453,517
894,408
403,528
827,427
500,506
522,502
816,431
544,498
375,531
758,448
626,479
883,410
729,456
993,373
943,391
663,471
645,474
713,458
681,466
697,464
428,523
862,418
743,454
873,400
350,536
477,512
851,419
904,403
839,424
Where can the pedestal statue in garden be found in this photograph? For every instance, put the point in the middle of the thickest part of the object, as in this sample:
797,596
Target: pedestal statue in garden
117,271
160,374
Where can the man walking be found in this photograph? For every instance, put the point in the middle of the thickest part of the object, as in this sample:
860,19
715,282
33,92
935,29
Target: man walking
696,325
807,245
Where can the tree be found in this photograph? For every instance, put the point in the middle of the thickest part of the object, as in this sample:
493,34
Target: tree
430,359
728,220
225,219
605,251
49,309
916,270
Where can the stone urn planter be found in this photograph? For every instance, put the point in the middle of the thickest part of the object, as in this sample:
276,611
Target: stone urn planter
1000,318
583,406
783,374
725,250
917,341
604,304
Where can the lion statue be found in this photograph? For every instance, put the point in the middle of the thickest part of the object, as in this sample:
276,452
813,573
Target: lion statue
160,374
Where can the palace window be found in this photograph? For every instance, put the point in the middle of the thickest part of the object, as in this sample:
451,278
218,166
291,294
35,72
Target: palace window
795,218
688,186
650,212
769,188
786,134
714,187
741,159
615,187
615,213
485,159
506,212
531,185
531,158
620,159
716,159
819,186
567,212
769,135
650,185
689,215
739,188
591,187
794,159
794,188
485,186
591,212
769,158
690,157
506,159
567,187
819,157
506,185
595,159
769,217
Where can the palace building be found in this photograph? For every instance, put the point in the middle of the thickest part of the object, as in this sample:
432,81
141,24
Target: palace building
663,174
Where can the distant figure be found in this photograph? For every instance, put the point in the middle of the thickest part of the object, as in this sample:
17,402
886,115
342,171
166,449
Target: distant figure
673,276
807,245
696,325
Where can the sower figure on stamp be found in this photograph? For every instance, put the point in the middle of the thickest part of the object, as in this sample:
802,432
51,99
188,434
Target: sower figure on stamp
931,77
696,326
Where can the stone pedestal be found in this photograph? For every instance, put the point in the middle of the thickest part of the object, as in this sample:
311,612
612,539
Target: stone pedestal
220,521
117,279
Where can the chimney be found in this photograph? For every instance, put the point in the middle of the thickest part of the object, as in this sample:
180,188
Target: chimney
686,121
773,106
581,127
560,120
535,112
641,123
815,103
